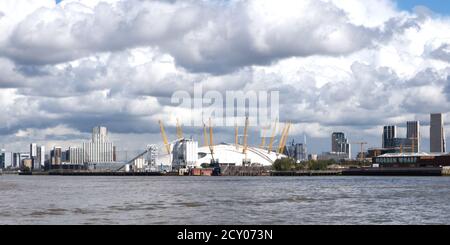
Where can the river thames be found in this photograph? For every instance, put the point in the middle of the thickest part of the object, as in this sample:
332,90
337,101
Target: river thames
224,200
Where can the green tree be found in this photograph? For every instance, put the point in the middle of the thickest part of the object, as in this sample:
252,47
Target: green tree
320,165
284,164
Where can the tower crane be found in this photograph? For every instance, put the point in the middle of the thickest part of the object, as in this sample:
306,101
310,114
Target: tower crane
361,144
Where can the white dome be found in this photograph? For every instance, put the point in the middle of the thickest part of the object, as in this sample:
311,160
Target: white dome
228,154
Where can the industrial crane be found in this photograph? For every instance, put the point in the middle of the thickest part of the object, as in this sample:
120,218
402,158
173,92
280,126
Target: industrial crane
361,158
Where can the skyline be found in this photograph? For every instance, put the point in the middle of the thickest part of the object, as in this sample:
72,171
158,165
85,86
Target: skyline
65,68
411,131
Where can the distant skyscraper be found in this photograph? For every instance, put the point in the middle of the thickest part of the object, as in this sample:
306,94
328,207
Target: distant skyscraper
41,155
297,151
56,155
33,150
7,159
339,143
34,156
437,134
2,158
413,133
389,133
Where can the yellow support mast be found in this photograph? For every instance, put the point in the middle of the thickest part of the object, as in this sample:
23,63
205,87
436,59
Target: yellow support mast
286,134
205,136
272,137
179,130
280,144
263,140
211,139
245,137
164,137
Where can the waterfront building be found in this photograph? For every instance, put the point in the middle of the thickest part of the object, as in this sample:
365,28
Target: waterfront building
412,160
99,150
41,156
56,156
7,159
437,134
389,133
2,158
18,159
335,156
27,164
76,155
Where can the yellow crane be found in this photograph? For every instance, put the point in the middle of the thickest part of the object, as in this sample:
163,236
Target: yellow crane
179,130
361,144
164,137
272,137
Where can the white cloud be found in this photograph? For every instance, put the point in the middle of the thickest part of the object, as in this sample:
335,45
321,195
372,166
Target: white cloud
339,65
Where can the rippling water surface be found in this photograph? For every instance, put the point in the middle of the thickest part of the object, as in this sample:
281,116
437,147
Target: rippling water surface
224,200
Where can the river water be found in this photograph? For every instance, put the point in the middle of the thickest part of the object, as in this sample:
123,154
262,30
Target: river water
224,200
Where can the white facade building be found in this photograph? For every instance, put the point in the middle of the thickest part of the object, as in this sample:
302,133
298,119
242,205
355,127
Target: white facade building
76,155
99,150
41,155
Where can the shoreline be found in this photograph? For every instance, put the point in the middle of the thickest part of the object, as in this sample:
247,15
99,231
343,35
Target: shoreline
344,172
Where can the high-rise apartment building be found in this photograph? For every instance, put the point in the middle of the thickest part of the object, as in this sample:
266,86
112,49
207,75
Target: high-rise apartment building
389,134
76,155
413,134
339,144
437,134
41,156
56,155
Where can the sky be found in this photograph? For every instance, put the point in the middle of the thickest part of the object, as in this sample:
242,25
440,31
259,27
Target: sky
438,6
340,65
